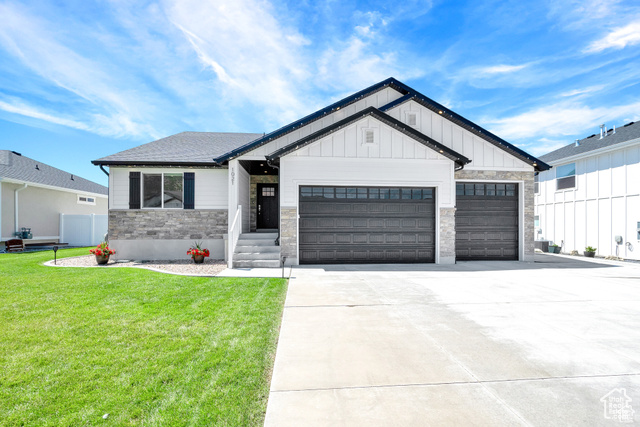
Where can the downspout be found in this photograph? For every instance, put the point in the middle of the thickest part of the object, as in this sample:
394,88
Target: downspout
102,169
15,206
270,163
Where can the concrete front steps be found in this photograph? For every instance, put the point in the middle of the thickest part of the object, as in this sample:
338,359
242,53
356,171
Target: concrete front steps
255,250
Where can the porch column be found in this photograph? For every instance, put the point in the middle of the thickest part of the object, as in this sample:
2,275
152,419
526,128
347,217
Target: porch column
234,190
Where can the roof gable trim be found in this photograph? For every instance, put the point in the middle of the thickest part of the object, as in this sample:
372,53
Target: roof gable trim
467,125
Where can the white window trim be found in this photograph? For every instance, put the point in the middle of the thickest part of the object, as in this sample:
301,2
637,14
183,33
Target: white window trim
162,174
86,200
575,175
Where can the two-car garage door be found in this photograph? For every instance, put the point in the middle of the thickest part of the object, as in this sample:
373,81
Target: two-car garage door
366,225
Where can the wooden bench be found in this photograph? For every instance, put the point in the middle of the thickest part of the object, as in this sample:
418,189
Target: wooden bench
14,245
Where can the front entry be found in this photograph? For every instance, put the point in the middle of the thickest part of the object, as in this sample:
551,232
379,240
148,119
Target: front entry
267,206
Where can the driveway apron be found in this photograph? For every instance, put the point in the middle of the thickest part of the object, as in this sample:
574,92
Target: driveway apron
476,343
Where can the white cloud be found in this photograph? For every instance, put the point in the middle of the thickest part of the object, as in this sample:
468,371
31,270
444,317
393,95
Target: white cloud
628,35
260,60
16,106
556,120
545,145
45,52
501,69
582,91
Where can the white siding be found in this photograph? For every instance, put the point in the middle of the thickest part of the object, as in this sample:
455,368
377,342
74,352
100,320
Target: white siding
377,99
118,188
211,188
483,155
604,204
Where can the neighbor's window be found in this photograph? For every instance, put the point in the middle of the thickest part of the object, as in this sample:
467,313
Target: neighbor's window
536,221
162,190
536,183
566,176
86,200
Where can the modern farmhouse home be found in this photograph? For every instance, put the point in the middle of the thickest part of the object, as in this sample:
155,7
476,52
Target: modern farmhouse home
385,175
591,197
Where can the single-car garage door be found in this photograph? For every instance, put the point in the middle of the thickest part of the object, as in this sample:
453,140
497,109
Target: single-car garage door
366,225
486,221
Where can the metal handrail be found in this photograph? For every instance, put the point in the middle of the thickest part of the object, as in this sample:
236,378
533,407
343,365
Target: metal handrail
234,235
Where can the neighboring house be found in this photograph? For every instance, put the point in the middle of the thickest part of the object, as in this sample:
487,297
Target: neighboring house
34,195
383,176
592,194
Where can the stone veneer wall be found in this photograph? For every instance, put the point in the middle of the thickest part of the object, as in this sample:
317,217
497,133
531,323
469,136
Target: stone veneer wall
253,195
529,207
447,235
289,233
167,224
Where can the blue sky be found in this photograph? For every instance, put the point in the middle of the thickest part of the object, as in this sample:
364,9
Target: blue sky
80,80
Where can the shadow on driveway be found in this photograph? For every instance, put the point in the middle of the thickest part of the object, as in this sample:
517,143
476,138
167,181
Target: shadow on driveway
542,261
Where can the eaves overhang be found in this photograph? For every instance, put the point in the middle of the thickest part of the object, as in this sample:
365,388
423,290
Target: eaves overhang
458,158
134,163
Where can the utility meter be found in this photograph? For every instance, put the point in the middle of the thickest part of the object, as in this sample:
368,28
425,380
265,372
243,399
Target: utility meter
618,240
638,230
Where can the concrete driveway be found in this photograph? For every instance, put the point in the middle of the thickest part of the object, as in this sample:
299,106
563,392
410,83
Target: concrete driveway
478,343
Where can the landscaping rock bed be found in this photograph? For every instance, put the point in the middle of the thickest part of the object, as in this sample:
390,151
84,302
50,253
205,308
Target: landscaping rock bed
186,267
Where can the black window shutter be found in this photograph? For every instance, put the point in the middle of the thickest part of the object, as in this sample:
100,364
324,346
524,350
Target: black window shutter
189,190
134,190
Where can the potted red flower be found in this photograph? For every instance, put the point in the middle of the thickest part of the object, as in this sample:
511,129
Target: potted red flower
102,253
197,253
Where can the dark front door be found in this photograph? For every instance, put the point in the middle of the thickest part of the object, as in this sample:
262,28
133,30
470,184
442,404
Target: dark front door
367,225
267,206
486,221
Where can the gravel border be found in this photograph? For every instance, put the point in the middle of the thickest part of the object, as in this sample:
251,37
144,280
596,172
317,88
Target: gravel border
183,267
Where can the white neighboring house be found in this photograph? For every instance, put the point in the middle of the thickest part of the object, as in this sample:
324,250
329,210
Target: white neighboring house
43,198
592,194
385,175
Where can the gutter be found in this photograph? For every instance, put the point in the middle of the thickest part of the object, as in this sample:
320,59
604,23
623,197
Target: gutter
15,205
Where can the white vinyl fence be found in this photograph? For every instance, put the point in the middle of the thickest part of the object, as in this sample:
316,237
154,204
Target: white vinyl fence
83,230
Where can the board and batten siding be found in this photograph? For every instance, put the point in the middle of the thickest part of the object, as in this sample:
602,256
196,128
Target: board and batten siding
341,158
483,155
604,203
211,186
377,99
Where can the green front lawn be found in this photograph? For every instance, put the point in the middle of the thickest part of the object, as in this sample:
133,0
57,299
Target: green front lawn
146,348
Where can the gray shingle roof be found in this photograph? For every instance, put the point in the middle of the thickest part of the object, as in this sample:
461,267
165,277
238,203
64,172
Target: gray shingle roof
625,133
187,148
21,168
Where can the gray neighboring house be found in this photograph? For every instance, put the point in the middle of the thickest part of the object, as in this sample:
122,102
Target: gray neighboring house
385,175
592,194
34,195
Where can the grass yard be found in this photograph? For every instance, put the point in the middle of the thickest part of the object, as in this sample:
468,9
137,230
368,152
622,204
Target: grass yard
146,348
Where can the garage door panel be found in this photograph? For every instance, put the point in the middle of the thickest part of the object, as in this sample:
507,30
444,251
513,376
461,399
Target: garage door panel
486,221
374,228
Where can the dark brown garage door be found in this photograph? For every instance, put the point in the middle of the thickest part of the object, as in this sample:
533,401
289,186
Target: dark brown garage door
486,221
340,225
